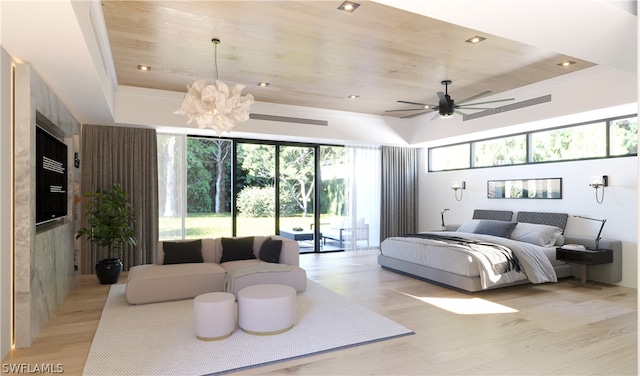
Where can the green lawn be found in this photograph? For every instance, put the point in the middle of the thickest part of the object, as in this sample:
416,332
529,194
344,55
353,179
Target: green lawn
210,225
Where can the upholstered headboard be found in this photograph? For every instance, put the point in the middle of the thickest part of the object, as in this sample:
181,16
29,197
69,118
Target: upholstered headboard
497,215
551,219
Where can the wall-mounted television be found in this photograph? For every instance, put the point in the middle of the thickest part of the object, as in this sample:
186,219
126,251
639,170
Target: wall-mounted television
51,177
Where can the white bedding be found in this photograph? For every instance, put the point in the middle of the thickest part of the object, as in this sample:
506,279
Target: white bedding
534,260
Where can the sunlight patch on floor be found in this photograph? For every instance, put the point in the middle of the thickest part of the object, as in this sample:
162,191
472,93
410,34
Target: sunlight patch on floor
465,306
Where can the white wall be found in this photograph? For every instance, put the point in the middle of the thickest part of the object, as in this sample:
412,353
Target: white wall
619,207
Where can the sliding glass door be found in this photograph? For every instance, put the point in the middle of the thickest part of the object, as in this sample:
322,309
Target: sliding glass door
296,195
194,187
333,173
213,187
255,189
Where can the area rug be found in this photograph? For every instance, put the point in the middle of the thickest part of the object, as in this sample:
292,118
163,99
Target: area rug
158,339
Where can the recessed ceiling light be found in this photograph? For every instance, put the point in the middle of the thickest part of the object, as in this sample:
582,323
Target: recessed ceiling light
144,67
566,63
348,6
263,84
475,40
353,96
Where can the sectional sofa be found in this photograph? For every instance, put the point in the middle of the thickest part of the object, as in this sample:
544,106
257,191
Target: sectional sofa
187,268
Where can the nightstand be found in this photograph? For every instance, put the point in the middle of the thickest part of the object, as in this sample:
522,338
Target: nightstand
584,258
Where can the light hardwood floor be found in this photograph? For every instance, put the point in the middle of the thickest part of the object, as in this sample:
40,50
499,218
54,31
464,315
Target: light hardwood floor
553,329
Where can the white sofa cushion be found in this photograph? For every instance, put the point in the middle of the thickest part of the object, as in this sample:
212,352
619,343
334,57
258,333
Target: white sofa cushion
157,282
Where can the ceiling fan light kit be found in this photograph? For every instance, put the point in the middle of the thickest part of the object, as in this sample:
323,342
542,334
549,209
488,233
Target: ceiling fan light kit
446,106
215,106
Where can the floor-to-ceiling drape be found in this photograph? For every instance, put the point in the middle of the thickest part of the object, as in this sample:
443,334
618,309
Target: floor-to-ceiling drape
127,156
399,193
363,196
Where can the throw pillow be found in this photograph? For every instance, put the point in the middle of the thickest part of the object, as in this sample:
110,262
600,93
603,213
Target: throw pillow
496,228
270,250
469,225
234,249
182,252
542,235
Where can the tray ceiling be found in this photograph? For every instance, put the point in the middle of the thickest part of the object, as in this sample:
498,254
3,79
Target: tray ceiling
314,55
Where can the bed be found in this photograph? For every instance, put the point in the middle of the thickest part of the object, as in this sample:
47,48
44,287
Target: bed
490,251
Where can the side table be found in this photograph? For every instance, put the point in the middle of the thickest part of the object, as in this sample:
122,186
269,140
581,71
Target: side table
584,257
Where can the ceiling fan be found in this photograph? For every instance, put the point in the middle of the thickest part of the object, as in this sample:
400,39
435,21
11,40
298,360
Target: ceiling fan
446,106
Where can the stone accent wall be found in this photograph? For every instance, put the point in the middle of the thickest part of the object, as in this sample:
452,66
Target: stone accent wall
44,256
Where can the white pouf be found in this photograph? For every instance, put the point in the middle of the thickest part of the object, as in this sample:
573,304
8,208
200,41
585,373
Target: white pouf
214,315
266,309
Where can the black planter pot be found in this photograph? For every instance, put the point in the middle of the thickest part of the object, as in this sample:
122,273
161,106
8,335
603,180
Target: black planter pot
108,271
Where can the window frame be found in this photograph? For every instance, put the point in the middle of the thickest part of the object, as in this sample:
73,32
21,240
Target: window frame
277,144
606,122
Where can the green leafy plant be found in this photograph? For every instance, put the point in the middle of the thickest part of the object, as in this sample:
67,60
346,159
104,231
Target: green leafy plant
111,219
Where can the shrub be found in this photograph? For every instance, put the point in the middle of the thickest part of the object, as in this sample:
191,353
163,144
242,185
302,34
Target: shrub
256,201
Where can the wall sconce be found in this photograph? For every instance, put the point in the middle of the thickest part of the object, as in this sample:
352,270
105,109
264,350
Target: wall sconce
599,182
458,187
76,160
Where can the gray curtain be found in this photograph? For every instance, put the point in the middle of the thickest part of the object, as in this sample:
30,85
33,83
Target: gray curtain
129,157
399,193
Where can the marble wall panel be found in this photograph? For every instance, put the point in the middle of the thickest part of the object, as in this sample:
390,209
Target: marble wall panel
44,255
52,274
24,216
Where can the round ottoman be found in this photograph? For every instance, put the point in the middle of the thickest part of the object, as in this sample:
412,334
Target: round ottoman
214,315
266,309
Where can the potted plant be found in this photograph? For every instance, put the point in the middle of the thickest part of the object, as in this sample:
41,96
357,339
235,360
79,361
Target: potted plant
111,219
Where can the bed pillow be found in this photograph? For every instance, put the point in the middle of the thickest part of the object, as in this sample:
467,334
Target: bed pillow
468,226
182,252
502,229
234,249
543,235
270,250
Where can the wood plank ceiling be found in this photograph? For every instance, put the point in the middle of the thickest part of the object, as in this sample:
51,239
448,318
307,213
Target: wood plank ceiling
314,55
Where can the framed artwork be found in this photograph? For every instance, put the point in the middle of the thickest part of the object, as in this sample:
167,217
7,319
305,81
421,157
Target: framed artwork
525,188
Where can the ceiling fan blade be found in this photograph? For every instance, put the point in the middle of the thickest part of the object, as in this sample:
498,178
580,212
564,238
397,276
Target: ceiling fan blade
414,115
484,93
437,115
414,103
476,108
443,98
497,100
460,113
406,109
